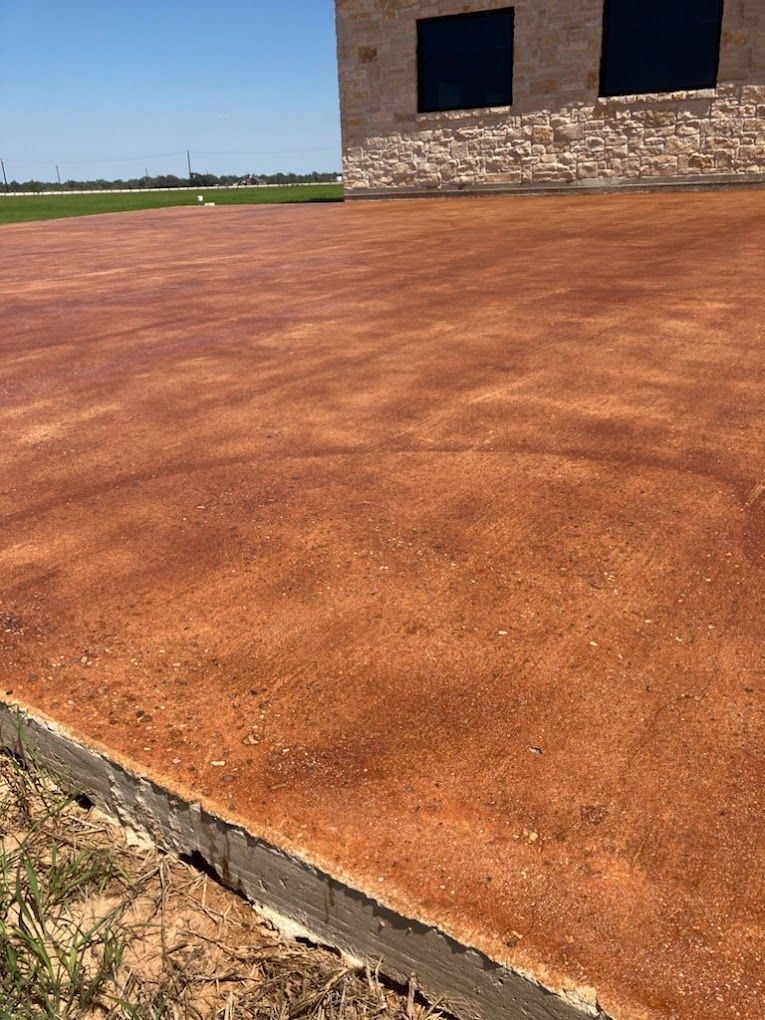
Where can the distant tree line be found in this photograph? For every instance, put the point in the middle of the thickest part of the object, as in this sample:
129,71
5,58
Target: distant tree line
171,181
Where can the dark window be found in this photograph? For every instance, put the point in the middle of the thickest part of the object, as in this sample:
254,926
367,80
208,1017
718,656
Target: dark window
660,45
465,61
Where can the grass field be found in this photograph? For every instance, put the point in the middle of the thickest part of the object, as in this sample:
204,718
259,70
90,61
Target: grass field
18,209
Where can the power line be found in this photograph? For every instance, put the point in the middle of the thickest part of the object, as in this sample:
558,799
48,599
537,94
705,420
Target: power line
268,152
87,168
169,155
82,162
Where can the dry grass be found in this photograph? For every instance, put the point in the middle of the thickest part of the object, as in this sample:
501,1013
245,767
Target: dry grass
92,927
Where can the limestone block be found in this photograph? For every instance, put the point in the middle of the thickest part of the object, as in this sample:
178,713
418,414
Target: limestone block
557,129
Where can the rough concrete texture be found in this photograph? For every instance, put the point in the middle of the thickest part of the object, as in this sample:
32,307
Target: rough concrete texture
441,524
300,900
558,131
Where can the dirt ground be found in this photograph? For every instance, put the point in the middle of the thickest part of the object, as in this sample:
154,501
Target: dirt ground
426,539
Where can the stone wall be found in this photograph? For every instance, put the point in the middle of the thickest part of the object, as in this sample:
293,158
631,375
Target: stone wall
558,131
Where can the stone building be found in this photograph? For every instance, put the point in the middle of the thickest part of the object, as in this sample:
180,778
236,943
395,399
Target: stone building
448,95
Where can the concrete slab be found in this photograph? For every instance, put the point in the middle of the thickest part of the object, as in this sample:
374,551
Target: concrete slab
426,541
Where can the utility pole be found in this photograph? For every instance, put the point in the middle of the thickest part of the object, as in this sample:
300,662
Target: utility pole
5,179
188,160
58,173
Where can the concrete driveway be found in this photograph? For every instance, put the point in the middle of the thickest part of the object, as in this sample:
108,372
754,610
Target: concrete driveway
442,524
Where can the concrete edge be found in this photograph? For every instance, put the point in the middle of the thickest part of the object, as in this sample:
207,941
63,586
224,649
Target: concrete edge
597,187
299,898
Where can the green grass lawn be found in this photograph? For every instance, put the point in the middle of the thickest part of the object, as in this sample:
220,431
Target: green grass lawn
18,209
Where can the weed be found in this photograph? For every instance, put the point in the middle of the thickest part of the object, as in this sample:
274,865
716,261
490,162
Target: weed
94,929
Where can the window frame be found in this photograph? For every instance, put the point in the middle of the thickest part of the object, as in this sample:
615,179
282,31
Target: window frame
462,15
608,6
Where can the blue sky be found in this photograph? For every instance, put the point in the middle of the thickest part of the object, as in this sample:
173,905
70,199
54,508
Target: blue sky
109,88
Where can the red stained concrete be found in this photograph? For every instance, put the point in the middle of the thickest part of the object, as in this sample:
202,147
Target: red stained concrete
458,508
